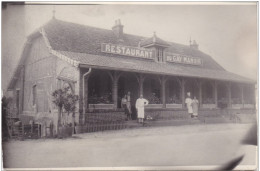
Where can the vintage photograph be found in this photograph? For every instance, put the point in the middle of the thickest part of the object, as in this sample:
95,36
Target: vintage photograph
129,86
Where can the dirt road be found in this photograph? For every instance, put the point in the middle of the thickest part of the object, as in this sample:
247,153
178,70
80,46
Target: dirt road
190,145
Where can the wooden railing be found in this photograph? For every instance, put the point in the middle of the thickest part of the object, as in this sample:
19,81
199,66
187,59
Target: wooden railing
18,130
103,121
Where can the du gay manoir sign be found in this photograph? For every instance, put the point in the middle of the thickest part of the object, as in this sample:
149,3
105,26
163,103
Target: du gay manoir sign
127,51
183,59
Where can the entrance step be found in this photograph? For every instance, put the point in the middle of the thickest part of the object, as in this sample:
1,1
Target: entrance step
134,124
180,122
216,120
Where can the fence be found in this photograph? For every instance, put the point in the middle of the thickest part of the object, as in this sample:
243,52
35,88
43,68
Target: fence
20,127
18,130
103,121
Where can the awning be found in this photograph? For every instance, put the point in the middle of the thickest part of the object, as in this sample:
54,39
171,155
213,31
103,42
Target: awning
149,66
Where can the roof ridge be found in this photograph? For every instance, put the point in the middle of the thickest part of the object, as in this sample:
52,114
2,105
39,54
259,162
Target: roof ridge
179,44
138,36
83,25
94,27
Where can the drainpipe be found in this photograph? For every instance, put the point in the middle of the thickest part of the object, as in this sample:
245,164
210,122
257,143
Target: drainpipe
84,102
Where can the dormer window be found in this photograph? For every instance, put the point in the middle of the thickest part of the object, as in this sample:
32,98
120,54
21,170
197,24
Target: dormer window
156,44
160,55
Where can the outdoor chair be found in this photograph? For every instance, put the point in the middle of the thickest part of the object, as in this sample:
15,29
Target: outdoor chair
16,130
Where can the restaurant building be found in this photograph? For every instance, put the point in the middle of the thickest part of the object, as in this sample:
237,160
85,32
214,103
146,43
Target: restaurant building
102,65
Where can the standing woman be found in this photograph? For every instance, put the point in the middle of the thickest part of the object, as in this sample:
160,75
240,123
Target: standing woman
195,107
188,102
140,103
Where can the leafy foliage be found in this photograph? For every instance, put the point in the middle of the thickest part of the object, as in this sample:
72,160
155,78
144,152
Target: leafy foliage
58,97
64,99
70,102
153,99
105,99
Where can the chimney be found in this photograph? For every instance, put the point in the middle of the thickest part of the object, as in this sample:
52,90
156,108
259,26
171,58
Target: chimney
118,29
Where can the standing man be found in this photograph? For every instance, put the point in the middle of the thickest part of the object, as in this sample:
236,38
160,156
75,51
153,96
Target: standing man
123,105
140,103
188,102
128,105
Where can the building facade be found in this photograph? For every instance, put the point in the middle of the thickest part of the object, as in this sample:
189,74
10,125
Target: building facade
101,66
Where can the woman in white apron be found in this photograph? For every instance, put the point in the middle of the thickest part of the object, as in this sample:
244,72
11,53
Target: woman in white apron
195,107
188,102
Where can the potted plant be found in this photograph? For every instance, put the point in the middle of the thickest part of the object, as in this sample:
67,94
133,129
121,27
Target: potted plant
79,129
66,103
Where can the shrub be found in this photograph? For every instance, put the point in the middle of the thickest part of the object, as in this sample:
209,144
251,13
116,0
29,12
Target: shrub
64,99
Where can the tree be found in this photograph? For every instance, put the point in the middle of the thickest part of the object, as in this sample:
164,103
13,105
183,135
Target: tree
64,99
70,104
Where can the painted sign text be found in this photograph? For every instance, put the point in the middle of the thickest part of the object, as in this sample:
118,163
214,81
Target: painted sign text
127,51
177,58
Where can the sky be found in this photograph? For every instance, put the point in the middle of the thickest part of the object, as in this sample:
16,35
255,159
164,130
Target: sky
225,31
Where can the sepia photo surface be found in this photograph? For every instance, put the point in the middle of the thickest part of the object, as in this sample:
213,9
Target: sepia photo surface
136,86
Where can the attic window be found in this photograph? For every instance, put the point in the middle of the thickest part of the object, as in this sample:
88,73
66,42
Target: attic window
160,55
64,83
69,86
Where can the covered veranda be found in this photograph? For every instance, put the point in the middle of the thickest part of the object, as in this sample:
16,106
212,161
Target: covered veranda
103,81
104,89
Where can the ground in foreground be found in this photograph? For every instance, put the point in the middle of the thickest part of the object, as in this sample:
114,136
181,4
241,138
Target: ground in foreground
190,145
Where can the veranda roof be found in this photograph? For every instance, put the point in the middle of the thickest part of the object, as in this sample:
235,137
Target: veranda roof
149,66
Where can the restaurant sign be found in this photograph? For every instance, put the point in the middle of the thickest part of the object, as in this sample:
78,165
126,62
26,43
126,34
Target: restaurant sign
127,51
183,59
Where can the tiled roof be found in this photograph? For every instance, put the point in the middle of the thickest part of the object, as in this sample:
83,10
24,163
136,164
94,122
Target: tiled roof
83,44
66,36
137,65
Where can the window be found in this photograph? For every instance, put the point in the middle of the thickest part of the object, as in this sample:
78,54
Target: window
160,55
34,92
69,85
100,88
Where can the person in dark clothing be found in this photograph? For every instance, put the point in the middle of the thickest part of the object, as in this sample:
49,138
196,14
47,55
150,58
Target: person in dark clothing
4,120
128,105
124,105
